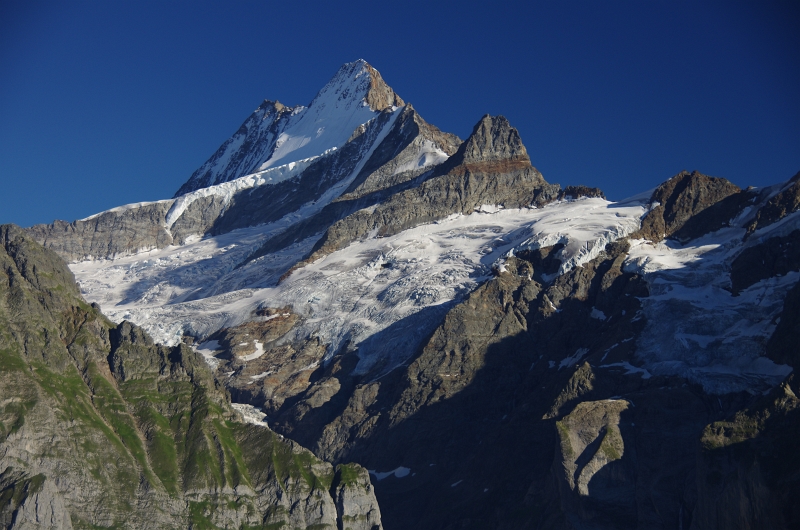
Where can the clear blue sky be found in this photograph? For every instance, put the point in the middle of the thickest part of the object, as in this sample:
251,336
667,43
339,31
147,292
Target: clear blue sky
104,103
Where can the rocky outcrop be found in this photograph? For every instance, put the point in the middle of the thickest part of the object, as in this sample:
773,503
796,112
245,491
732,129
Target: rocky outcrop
99,426
380,96
113,233
576,192
681,199
355,499
262,369
31,502
784,202
775,256
782,345
590,464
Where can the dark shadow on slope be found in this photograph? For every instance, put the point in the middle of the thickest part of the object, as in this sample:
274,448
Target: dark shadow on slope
269,203
481,453
489,435
301,421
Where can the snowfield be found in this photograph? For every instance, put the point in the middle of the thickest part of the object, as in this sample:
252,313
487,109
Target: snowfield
382,296
368,290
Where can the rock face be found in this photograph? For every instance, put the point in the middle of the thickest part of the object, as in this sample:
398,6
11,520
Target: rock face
355,499
682,198
590,463
775,256
490,167
108,234
785,202
102,427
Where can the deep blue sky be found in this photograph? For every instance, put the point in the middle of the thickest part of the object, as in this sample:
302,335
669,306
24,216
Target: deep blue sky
110,102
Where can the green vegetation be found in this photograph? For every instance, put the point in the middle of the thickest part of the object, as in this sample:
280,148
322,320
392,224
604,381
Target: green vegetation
348,474
611,440
199,513
142,425
289,464
725,433
566,445
19,490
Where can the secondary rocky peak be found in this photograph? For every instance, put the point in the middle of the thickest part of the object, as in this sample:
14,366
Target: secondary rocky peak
493,139
676,203
268,105
358,82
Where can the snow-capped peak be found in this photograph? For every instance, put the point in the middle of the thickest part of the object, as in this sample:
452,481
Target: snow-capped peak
355,95
356,84
276,135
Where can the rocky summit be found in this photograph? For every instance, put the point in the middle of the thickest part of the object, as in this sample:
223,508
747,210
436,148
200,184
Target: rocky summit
348,318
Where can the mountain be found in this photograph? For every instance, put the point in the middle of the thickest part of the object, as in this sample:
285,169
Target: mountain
103,428
498,351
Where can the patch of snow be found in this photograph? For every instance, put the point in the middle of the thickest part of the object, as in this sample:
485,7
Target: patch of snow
428,155
250,414
629,369
573,359
605,353
255,355
596,313
208,350
701,340
399,472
